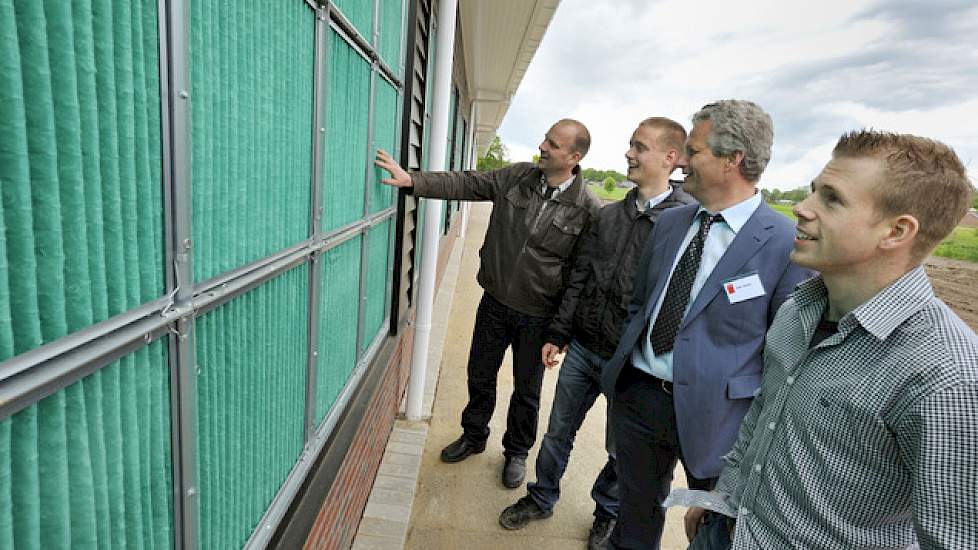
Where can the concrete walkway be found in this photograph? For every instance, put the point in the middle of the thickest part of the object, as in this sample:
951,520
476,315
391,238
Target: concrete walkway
456,506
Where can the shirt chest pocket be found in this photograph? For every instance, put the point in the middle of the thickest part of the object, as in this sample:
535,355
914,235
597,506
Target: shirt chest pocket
560,235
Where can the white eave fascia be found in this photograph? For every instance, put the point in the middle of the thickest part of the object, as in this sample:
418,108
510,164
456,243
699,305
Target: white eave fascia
500,38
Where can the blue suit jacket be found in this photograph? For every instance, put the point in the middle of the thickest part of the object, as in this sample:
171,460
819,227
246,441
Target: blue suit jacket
717,356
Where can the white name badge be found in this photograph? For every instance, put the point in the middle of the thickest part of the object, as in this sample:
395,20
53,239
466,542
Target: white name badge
743,287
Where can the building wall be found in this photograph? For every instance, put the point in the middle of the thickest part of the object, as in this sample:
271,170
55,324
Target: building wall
200,182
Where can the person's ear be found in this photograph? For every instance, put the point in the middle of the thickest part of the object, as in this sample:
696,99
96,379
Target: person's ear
671,157
901,233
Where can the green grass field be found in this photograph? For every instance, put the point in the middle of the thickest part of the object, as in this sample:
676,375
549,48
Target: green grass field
784,209
616,195
961,244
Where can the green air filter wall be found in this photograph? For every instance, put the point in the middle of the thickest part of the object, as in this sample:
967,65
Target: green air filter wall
360,13
348,112
386,122
81,210
252,72
251,354
338,323
390,33
89,466
378,277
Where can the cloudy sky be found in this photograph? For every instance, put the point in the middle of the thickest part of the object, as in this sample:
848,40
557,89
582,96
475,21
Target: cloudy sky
819,69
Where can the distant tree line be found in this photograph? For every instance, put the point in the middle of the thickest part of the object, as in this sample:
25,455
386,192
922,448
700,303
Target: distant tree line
590,174
794,195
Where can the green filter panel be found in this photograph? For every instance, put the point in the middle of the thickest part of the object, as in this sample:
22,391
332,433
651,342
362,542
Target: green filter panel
81,210
378,279
251,356
386,122
89,466
390,23
338,323
252,72
360,13
348,116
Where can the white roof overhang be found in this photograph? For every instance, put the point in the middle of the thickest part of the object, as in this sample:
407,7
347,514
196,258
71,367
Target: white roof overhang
499,38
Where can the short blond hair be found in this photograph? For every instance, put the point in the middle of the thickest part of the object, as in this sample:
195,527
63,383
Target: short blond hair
672,135
921,177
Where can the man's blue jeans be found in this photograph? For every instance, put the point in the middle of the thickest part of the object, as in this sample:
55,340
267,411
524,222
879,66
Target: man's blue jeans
578,386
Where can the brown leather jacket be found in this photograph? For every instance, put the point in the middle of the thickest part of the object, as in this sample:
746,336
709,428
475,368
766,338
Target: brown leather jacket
527,256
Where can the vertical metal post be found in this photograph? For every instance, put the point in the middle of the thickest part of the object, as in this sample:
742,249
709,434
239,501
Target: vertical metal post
316,213
362,339
175,81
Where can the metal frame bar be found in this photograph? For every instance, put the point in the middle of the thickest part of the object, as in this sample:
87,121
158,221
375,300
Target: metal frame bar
182,356
24,363
316,213
364,243
371,116
359,43
32,376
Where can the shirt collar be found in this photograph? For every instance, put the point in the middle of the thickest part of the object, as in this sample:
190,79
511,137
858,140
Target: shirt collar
881,314
651,203
737,215
560,188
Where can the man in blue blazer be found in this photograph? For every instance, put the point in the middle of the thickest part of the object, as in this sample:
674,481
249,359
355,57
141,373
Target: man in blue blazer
707,287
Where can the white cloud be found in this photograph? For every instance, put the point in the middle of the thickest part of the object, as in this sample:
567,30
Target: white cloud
819,69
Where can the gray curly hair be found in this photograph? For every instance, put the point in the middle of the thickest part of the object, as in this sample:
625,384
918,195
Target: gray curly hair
739,126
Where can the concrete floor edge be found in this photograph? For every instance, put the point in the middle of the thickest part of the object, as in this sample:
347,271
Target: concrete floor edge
386,518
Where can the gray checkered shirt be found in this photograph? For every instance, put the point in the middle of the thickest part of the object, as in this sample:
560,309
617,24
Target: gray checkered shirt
868,440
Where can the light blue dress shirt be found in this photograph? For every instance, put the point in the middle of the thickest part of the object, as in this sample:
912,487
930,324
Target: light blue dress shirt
719,238
651,203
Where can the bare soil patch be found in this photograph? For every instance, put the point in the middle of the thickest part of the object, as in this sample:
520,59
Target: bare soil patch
956,282
969,220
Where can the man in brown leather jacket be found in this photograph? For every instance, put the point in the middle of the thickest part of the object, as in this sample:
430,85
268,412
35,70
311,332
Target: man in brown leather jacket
539,214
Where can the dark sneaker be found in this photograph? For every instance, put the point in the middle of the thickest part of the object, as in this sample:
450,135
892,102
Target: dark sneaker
514,471
460,449
523,512
600,533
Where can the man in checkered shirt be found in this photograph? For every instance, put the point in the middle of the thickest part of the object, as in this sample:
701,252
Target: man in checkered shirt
865,431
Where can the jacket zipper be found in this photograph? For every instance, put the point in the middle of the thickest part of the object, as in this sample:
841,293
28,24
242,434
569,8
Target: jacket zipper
536,222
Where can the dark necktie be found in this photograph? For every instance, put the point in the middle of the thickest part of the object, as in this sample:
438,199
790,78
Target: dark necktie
549,193
677,295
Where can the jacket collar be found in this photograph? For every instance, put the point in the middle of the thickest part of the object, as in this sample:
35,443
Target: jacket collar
677,197
574,194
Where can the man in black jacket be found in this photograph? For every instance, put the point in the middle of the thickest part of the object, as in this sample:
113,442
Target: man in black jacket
539,213
590,317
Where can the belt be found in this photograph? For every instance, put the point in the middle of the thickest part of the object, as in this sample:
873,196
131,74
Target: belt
659,383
